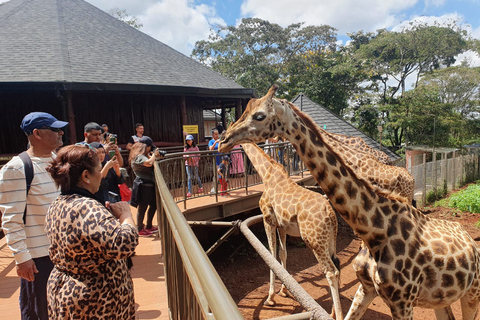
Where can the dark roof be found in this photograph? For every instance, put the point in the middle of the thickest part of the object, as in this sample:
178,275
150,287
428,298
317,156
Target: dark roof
324,117
71,42
209,114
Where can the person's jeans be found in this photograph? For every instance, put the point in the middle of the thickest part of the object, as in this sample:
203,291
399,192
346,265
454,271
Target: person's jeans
33,294
146,198
193,171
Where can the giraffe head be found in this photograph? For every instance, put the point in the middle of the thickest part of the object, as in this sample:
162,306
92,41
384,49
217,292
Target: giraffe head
259,122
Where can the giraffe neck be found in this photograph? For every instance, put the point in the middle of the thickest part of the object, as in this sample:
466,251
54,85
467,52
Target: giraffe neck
260,160
353,197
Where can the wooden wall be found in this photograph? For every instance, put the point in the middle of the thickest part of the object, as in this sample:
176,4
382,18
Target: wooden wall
161,115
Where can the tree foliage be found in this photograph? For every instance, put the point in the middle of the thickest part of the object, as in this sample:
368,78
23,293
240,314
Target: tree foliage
121,14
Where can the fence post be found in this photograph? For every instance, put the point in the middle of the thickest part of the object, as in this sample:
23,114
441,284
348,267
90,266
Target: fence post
245,168
453,170
434,175
424,180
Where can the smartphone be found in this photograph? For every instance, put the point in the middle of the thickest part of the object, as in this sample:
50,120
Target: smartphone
111,154
113,138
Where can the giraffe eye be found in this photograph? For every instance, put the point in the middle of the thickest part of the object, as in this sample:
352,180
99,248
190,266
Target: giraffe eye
259,116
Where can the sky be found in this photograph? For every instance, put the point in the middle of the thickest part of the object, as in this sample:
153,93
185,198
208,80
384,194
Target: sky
180,23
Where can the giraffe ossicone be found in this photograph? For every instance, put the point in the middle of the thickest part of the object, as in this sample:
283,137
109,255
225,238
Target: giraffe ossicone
414,260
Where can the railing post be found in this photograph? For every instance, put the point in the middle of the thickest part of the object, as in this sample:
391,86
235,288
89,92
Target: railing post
245,173
184,187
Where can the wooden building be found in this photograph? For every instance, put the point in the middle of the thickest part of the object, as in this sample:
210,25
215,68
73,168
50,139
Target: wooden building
73,60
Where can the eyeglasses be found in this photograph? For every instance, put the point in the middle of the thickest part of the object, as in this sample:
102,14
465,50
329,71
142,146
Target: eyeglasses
52,129
86,145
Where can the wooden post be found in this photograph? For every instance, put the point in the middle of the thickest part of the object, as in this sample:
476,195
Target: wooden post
453,171
238,109
424,180
443,172
434,174
71,118
183,113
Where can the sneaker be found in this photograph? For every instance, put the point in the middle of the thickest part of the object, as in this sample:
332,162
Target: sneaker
189,195
153,229
144,232
200,190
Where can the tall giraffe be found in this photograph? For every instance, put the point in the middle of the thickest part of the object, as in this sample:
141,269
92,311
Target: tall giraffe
415,260
359,144
294,210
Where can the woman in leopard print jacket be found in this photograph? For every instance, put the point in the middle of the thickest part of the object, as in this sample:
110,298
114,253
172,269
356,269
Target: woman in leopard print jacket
89,243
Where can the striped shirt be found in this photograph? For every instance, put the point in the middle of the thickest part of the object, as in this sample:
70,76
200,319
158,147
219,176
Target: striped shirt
27,240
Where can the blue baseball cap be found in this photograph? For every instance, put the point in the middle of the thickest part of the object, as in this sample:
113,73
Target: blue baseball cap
189,137
40,120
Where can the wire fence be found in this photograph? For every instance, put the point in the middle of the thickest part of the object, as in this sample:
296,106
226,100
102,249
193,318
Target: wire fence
434,179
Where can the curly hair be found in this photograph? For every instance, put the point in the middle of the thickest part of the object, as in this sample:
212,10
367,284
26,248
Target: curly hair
67,168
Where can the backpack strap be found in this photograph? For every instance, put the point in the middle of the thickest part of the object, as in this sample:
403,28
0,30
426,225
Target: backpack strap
28,167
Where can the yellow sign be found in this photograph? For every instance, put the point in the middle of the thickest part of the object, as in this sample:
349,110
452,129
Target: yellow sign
191,129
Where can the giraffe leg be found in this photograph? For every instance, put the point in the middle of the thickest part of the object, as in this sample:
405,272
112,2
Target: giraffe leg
333,278
444,314
366,291
272,243
403,313
361,301
470,305
282,253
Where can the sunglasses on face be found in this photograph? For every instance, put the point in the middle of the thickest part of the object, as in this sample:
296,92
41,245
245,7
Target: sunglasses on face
53,129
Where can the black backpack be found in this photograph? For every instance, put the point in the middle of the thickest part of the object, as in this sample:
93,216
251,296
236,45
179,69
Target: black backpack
28,167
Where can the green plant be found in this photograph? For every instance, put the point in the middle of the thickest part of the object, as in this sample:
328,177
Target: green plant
466,200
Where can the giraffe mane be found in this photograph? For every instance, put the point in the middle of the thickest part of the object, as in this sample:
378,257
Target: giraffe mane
379,191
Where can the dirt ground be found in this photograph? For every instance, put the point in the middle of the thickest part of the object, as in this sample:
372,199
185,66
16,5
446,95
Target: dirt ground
247,276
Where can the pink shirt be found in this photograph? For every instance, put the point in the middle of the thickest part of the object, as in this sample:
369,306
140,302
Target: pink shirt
191,159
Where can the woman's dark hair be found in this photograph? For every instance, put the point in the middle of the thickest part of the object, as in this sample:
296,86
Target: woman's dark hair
66,169
137,148
188,146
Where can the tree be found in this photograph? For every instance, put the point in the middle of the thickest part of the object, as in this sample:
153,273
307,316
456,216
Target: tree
257,53
121,14
391,57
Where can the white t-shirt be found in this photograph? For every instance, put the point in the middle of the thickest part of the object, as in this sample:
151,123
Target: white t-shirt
29,240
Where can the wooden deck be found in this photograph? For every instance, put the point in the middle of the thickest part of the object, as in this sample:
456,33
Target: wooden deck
147,274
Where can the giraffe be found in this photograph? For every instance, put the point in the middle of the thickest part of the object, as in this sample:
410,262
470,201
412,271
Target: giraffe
413,260
294,210
387,178
360,145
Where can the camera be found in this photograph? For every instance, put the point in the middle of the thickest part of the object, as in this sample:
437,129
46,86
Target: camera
162,153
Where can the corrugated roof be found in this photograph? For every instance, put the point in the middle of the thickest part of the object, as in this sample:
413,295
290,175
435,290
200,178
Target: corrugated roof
75,43
324,117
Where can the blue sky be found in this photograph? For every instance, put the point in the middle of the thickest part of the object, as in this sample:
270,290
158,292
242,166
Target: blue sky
180,23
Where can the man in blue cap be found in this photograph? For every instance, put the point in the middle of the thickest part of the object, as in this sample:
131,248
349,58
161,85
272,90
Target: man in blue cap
24,209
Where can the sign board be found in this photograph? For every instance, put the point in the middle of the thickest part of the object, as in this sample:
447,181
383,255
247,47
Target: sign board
191,129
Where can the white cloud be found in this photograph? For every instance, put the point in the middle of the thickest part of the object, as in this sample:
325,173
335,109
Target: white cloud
346,16
179,23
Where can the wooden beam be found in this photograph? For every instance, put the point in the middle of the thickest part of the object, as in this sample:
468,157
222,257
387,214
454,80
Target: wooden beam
71,118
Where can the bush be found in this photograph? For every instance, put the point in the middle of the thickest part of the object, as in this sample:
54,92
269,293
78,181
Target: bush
467,200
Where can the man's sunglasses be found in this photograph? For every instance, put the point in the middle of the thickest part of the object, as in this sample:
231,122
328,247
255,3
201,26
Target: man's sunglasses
52,129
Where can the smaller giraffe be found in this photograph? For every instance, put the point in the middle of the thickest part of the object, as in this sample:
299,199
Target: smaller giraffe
294,210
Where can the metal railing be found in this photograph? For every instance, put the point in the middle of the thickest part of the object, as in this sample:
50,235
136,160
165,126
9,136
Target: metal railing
240,171
194,289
